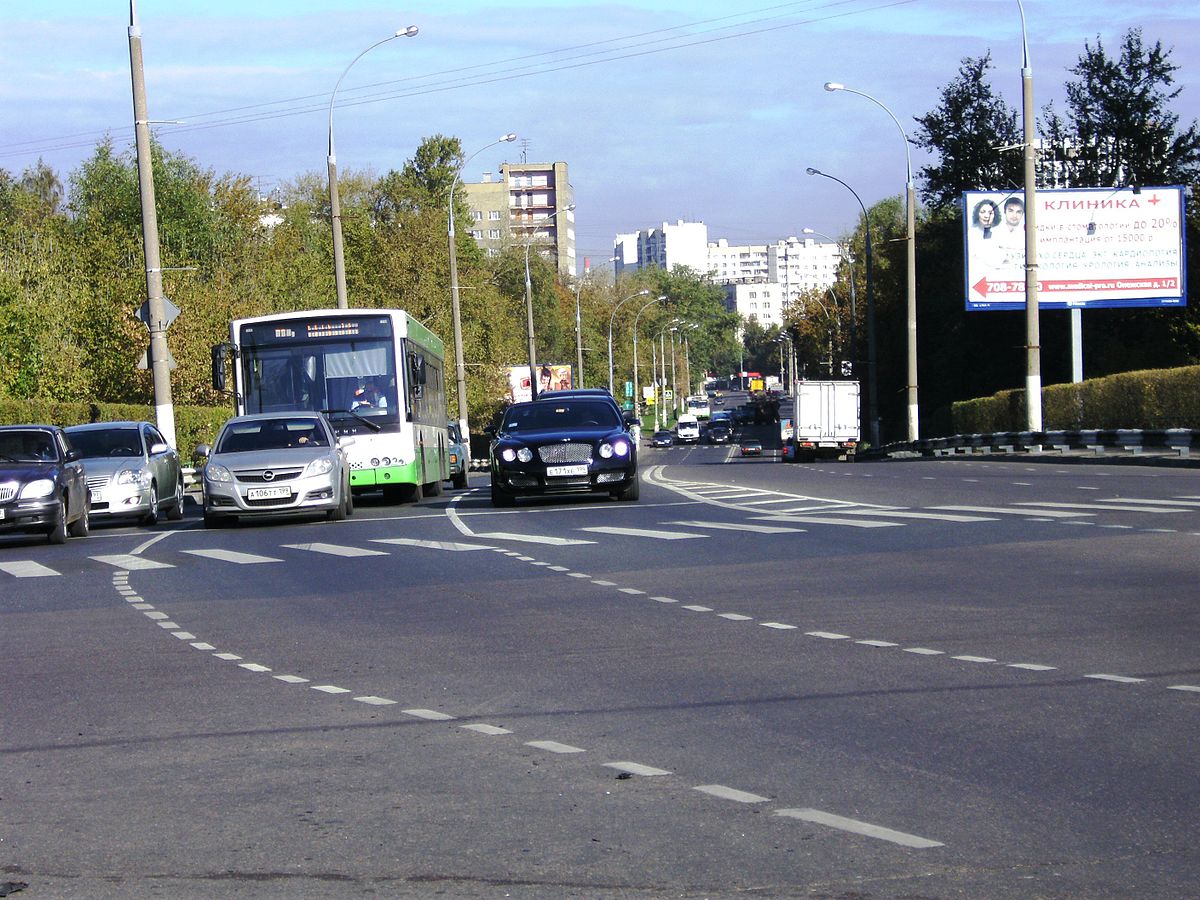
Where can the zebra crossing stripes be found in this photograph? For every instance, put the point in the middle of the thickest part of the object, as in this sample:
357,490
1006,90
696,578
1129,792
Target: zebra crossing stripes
26,568
233,556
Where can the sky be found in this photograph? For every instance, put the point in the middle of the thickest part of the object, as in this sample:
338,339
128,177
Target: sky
663,109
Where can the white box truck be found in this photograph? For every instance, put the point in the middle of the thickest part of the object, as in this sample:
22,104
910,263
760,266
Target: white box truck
824,422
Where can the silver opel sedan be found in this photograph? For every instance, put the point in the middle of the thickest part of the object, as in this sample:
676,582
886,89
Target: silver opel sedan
131,470
275,464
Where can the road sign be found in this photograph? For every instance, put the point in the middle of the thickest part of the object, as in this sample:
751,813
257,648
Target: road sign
170,311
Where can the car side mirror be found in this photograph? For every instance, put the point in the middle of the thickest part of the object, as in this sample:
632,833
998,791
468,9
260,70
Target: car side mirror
203,451
74,455
490,430
630,422
345,441
160,447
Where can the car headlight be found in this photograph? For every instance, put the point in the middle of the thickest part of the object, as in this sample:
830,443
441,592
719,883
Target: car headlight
133,476
321,466
615,448
525,455
213,472
43,487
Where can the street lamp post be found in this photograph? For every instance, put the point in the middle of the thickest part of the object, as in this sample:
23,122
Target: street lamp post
910,215
872,391
853,295
460,368
611,319
637,388
533,375
1033,350
335,203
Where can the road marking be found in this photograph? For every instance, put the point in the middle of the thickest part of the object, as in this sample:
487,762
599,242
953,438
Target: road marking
734,617
644,532
372,700
487,729
825,520
183,635
228,657
636,769
924,651
1106,505
1032,667
432,545
554,747
291,679
27,569
1006,511
336,549
878,643
1181,502
1123,679
728,793
254,667
531,538
203,645
978,659
128,561
698,608
1195,689
779,626
939,517
828,635
431,714
330,689
740,526
634,591
233,556
856,827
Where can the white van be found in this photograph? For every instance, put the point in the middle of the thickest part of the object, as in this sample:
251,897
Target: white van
687,430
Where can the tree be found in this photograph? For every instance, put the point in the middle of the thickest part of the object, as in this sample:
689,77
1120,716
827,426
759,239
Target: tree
966,130
1118,125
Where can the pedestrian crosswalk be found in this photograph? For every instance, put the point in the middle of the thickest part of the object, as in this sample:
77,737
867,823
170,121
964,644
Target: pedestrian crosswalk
762,513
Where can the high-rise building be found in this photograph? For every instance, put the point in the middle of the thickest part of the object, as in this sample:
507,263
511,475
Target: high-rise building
527,202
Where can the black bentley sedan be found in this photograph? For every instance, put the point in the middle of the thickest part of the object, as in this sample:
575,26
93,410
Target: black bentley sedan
42,484
562,445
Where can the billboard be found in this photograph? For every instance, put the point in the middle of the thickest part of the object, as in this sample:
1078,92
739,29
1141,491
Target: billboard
550,378
1096,247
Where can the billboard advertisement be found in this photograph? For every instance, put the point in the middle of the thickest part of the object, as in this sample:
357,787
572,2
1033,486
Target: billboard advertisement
1095,248
550,378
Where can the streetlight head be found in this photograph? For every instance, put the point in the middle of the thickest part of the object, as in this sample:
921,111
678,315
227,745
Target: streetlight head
508,138
410,31
571,208
807,231
643,292
834,86
811,171
662,297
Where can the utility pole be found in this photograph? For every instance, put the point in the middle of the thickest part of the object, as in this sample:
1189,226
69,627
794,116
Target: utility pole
159,359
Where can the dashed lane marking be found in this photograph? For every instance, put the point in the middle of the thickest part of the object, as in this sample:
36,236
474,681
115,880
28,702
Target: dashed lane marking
826,520
128,561
233,556
531,538
637,769
1108,506
854,826
1009,511
740,526
554,747
432,545
25,568
645,533
728,793
336,550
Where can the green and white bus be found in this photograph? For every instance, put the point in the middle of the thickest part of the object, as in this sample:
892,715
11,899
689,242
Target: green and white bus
378,374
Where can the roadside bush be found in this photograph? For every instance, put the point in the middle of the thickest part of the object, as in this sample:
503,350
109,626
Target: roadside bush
1149,399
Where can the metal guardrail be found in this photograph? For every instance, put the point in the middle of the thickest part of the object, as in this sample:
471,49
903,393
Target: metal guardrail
1180,441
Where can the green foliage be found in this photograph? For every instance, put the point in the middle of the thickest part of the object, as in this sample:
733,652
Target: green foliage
1161,398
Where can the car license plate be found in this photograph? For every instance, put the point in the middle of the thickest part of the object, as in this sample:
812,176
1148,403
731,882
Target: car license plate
282,492
561,471
1,514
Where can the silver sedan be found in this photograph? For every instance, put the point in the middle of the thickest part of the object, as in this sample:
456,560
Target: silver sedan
131,470
274,464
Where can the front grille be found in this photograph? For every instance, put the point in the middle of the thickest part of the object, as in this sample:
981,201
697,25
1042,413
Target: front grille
97,482
555,454
255,476
8,491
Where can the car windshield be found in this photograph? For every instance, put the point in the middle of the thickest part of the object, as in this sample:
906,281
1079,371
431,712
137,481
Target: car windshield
550,416
27,446
272,434
96,442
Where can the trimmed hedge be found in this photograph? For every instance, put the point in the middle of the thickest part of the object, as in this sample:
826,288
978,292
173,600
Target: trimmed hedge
193,424
1154,398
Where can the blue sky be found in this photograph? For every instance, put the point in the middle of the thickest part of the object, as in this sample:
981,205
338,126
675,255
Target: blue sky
663,109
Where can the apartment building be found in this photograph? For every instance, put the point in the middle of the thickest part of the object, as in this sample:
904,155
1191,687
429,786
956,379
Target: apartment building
525,202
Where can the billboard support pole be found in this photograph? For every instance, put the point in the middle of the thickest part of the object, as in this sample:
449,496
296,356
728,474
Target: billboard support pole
1033,350
1076,345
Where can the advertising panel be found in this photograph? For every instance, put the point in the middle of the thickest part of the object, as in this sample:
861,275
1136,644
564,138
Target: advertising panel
550,378
1095,248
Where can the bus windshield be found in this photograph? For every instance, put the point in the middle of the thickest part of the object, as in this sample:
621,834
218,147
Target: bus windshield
356,375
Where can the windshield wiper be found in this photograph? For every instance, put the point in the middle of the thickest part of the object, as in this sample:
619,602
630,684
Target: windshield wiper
7,458
374,426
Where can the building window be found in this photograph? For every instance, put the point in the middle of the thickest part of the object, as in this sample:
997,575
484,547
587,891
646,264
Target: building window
494,214
494,234
477,214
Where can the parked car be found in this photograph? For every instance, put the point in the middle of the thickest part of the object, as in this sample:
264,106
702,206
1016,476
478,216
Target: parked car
751,448
718,434
131,470
272,464
460,456
562,445
662,439
42,484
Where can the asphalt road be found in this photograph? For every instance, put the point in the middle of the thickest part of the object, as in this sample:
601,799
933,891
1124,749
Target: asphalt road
924,678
